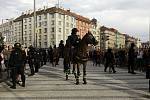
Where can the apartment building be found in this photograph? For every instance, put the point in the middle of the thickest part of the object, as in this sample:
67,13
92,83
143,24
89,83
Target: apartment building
95,30
111,38
129,40
7,30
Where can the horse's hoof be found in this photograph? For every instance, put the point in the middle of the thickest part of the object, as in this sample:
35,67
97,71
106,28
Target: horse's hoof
77,83
85,83
66,77
79,74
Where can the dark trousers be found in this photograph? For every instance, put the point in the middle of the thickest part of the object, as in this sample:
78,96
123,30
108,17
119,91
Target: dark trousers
31,65
17,71
131,66
148,72
109,64
37,66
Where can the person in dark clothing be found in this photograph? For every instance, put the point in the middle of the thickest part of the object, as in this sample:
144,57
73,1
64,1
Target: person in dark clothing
50,54
61,48
31,60
147,63
16,63
37,60
44,56
109,60
73,42
131,59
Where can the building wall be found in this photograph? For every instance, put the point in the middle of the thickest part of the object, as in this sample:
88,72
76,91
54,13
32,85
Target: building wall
7,31
83,27
50,29
95,30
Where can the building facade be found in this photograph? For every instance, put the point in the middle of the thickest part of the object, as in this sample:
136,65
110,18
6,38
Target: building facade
95,30
7,30
111,38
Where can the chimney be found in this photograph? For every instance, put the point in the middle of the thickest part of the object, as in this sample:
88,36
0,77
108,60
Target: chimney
22,13
39,9
68,10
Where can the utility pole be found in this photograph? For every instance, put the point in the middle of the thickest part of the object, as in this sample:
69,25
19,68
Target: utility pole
149,31
34,23
58,3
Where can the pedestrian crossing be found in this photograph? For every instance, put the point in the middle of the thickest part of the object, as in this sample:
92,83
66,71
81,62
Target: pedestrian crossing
50,84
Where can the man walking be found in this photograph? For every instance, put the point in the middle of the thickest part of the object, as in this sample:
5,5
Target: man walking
131,59
16,63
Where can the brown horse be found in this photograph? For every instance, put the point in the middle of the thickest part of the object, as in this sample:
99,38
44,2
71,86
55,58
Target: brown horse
81,55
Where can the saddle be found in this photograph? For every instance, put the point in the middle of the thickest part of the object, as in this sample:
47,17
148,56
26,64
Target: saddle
82,56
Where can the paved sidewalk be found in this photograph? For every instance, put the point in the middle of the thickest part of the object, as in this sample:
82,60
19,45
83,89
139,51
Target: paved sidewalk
50,84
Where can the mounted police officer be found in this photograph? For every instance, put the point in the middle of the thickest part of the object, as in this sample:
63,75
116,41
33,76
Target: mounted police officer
73,41
73,38
16,63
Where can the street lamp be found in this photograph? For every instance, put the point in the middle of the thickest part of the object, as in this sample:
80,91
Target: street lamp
35,24
149,31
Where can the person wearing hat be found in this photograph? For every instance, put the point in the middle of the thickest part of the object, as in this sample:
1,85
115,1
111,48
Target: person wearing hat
73,41
16,63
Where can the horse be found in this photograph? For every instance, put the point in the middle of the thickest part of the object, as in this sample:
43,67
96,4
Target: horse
81,55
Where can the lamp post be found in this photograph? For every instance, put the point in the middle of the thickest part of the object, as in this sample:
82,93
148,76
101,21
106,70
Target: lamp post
149,31
35,24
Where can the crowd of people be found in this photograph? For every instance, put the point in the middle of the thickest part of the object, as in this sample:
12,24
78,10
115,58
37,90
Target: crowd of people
132,58
14,58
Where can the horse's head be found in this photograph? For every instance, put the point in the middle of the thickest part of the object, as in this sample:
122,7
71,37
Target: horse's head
90,39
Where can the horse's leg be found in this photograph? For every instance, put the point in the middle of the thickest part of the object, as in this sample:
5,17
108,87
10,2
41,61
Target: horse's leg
78,70
77,75
74,66
84,73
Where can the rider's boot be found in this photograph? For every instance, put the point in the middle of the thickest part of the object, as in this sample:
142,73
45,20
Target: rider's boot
77,81
66,76
84,81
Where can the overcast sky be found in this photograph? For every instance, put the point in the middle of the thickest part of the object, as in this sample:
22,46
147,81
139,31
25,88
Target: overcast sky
128,16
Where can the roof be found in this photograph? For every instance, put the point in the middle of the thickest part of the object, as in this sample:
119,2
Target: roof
54,10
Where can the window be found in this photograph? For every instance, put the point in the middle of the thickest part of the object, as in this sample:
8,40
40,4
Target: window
39,17
25,32
45,43
45,23
53,29
25,38
67,17
53,22
30,38
29,25
59,37
40,44
40,31
59,29
67,31
25,20
45,16
53,16
39,37
45,30
59,23
72,19
67,24
29,19
30,32
25,26
59,16
71,25
53,36
45,37
40,24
